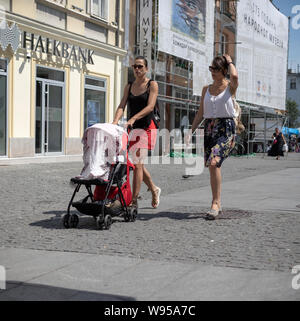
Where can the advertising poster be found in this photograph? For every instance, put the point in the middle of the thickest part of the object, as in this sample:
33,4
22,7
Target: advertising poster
188,33
93,108
262,31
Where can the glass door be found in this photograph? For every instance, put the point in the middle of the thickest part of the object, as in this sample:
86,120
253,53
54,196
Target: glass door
3,107
49,118
2,115
54,118
39,101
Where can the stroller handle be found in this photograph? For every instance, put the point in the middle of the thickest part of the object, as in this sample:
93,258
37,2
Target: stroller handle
129,128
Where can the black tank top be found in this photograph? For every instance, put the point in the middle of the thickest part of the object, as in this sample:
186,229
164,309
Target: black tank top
135,104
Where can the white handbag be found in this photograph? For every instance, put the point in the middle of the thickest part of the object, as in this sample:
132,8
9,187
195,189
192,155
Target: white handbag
285,148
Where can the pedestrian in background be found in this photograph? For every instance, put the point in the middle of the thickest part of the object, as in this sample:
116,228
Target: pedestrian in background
140,97
277,145
184,125
217,108
298,145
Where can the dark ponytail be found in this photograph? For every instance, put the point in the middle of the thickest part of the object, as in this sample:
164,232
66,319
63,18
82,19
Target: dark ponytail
221,63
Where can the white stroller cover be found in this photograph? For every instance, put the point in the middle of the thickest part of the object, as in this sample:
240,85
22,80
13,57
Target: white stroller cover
102,144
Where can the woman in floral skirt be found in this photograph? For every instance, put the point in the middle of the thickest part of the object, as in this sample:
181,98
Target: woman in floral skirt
217,108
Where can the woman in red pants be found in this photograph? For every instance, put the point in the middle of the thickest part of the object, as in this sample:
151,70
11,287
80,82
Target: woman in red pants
140,97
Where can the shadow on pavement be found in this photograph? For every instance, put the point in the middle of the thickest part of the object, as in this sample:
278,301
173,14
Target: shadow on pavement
59,213
228,214
18,291
172,215
85,221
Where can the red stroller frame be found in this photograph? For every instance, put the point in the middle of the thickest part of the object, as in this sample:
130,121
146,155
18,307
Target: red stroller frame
97,204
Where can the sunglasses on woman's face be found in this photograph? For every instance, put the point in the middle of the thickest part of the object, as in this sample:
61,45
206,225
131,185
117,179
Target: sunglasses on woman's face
212,68
137,66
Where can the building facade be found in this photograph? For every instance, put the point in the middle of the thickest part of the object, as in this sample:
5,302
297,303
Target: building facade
293,88
225,28
174,75
61,70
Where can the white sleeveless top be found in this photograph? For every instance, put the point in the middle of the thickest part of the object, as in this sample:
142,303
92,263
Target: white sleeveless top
221,106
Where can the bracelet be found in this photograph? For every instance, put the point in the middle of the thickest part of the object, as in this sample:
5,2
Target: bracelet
230,63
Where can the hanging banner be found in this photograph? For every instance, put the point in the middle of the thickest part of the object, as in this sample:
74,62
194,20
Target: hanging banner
146,30
186,30
262,53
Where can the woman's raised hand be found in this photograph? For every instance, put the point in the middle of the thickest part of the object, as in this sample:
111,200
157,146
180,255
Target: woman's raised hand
228,58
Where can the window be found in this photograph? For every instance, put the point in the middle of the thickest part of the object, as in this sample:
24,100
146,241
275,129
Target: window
225,7
50,74
59,2
95,32
51,16
5,4
3,106
223,44
95,82
228,8
3,66
94,101
99,8
293,83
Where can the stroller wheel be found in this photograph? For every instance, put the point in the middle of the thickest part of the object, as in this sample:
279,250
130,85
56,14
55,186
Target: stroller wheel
127,217
74,220
100,222
65,220
133,214
107,221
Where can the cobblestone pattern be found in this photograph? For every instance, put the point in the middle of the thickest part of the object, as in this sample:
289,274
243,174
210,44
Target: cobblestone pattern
34,198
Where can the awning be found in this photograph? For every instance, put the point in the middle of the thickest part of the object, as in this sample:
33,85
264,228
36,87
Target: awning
290,131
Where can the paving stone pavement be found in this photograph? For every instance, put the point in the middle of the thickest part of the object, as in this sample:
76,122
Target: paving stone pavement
34,197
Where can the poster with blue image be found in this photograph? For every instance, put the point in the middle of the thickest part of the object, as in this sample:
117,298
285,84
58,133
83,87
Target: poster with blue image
93,112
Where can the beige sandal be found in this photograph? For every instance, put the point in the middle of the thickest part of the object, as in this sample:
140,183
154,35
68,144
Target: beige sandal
155,197
134,203
213,214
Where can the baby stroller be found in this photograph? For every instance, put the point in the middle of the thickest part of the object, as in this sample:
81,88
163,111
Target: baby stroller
106,166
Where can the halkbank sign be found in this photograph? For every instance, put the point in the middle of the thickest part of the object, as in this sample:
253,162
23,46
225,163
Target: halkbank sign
10,36
57,48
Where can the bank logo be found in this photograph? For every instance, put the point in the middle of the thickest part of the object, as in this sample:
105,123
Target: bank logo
9,35
296,19
2,278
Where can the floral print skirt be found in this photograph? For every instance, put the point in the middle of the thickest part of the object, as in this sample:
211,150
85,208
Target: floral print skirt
219,139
